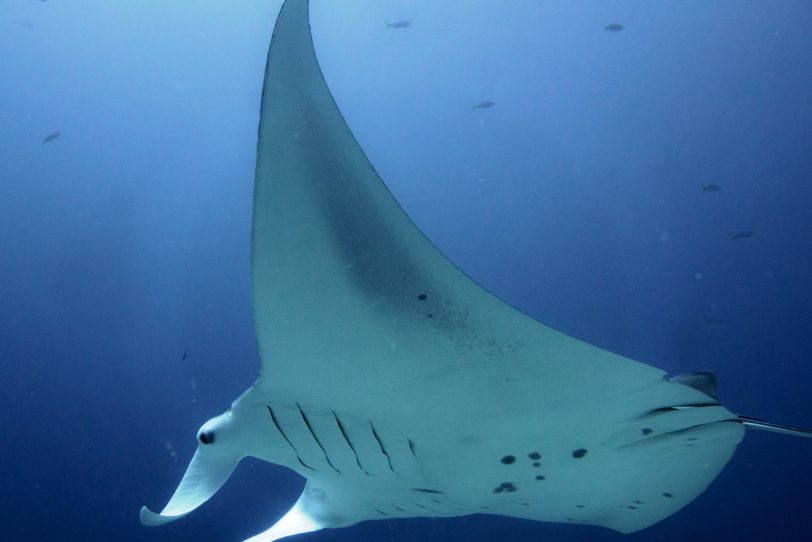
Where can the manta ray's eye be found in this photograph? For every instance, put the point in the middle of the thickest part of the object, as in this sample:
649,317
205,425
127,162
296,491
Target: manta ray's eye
206,437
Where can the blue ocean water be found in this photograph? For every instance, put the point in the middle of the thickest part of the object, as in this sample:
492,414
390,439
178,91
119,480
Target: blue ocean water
124,296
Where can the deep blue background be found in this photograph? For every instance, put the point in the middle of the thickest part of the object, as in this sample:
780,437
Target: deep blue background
576,198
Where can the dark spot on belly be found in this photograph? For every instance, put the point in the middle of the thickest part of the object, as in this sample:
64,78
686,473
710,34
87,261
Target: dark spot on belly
579,453
539,477
535,456
647,431
579,506
509,459
422,297
668,495
429,315
505,487
638,502
632,507
536,464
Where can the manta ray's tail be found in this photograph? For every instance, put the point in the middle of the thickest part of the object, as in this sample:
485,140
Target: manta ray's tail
706,383
761,425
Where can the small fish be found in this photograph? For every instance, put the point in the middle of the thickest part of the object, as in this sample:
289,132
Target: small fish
716,322
50,137
614,27
185,353
742,235
398,24
710,188
483,105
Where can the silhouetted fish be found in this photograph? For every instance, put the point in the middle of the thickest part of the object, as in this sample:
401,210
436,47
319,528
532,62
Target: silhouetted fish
398,24
614,27
710,188
185,353
483,105
716,321
50,137
742,235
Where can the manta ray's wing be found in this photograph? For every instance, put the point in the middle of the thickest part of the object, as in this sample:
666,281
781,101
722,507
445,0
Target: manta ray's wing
357,312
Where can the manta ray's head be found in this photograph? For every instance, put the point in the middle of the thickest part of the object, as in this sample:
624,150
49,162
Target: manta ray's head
221,445
237,433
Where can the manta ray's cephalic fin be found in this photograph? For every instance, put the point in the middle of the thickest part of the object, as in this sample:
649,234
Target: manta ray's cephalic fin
207,472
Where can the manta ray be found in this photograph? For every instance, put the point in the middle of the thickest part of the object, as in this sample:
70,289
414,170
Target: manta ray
398,387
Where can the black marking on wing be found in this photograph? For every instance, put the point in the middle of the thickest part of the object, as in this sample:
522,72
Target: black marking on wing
380,444
509,487
347,440
316,438
284,436
425,490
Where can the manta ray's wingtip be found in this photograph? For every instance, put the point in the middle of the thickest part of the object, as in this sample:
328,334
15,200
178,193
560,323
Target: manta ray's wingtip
152,519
